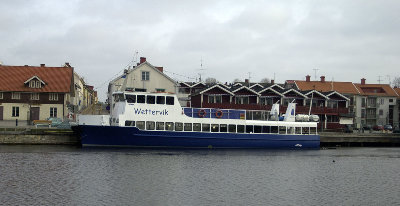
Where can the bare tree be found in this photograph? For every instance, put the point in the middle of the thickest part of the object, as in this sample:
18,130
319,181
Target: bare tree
265,80
396,82
211,80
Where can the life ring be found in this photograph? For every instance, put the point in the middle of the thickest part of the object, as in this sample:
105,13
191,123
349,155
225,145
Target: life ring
202,113
219,113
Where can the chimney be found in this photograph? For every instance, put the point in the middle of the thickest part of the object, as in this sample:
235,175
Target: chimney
323,79
308,78
272,81
67,64
161,69
42,65
246,81
26,65
142,60
363,81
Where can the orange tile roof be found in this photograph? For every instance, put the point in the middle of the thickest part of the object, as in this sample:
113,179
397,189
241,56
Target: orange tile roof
341,87
57,79
397,90
376,90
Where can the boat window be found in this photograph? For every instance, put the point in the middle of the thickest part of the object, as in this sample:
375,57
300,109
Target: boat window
290,130
240,129
151,99
178,126
274,129
140,124
313,130
160,126
130,123
205,127
223,128
282,130
249,115
150,125
232,128
214,128
160,100
188,127
119,97
170,100
141,99
249,129
257,129
131,98
266,129
298,130
169,126
197,127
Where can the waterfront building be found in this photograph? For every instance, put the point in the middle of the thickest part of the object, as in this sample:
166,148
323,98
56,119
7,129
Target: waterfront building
259,98
369,105
142,77
38,92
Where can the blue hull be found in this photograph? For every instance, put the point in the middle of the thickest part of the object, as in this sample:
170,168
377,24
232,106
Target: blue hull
132,137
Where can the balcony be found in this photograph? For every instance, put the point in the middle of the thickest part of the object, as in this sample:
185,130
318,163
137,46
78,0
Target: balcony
299,109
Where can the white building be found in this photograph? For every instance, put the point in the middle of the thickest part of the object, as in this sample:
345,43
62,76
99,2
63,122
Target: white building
143,77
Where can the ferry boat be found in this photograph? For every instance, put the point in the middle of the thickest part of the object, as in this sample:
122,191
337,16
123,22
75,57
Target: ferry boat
140,119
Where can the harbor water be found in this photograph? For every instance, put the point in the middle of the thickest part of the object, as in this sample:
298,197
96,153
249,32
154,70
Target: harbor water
66,175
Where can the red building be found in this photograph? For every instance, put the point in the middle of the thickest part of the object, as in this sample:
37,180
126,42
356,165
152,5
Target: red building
330,106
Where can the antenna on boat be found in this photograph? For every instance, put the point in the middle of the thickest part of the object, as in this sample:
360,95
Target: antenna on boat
201,68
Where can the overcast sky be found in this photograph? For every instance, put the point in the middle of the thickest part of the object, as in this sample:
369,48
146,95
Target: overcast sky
345,40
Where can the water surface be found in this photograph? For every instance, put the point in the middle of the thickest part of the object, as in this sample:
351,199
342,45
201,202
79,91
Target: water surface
54,175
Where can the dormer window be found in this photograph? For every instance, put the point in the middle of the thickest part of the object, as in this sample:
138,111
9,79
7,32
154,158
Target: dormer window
34,82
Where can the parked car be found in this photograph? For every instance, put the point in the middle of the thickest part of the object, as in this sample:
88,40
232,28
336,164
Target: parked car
348,129
367,127
378,128
55,121
388,127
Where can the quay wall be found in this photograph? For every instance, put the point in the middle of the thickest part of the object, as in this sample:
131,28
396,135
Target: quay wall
360,139
68,137
38,136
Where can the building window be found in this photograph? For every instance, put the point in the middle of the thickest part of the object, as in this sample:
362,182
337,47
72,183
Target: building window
34,96
381,112
382,101
1,95
35,84
16,95
215,99
390,100
242,100
145,76
363,102
53,96
15,111
53,111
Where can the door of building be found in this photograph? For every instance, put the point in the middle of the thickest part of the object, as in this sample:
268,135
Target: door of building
34,115
1,113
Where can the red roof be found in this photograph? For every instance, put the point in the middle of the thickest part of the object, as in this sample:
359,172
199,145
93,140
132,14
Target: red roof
341,87
57,79
376,90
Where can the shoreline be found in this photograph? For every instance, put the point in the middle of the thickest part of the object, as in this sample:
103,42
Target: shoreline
52,136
